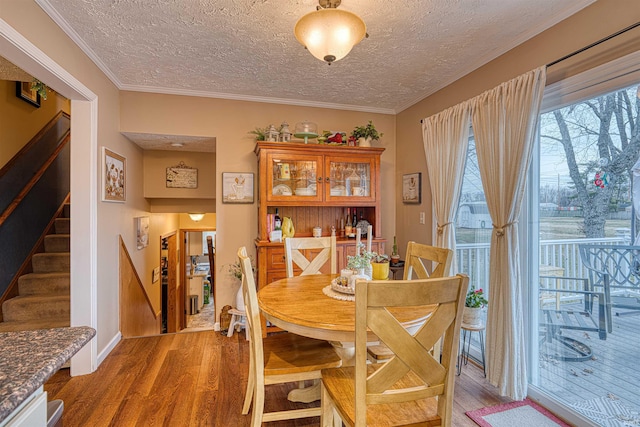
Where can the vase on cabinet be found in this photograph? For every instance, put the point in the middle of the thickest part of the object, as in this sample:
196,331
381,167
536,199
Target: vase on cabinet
364,142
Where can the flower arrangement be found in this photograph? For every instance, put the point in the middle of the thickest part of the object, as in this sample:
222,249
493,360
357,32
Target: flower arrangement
475,298
234,270
363,260
368,131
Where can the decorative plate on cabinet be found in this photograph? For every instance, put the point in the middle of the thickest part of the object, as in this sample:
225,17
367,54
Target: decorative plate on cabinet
282,190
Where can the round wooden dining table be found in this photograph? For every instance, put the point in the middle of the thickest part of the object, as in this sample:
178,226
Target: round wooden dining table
298,305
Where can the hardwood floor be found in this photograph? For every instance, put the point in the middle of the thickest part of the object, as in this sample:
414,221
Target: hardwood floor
197,379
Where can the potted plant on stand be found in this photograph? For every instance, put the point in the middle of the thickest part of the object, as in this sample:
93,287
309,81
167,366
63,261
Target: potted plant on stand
366,134
473,305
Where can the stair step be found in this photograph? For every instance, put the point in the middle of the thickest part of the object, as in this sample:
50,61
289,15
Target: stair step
66,210
51,262
62,225
44,283
15,326
57,243
37,307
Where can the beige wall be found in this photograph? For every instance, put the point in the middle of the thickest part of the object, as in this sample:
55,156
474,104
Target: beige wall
155,167
229,122
20,121
597,21
113,219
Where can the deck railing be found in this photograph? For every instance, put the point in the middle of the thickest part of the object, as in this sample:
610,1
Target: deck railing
557,258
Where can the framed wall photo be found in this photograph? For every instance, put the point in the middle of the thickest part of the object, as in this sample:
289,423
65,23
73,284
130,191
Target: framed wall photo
412,188
24,92
114,176
142,232
182,176
237,187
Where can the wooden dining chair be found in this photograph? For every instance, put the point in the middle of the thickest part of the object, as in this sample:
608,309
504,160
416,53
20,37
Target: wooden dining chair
413,388
418,253
279,358
295,249
414,265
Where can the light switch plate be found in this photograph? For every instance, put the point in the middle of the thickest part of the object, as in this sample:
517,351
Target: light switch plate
422,220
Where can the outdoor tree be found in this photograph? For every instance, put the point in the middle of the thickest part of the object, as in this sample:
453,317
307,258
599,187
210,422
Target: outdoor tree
598,136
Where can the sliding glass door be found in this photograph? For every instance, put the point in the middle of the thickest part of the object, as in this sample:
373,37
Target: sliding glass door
585,293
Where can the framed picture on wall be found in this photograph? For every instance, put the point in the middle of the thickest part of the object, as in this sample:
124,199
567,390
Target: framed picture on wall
114,176
412,188
237,187
142,232
24,92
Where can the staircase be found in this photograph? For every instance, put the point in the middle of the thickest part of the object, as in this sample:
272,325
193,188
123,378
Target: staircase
43,299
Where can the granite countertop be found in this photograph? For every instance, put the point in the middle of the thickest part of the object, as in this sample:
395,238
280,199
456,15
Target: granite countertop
29,358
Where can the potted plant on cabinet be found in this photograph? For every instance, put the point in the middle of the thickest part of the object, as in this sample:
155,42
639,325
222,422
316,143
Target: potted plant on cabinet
473,305
366,134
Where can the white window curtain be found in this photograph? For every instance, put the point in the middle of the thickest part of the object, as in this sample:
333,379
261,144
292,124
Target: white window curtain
504,124
446,138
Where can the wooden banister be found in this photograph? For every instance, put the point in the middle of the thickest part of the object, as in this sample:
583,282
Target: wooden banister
32,182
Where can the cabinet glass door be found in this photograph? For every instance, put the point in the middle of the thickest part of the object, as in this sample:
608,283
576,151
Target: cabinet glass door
294,177
351,179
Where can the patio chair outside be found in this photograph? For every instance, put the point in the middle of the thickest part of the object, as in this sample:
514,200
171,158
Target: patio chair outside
616,270
554,320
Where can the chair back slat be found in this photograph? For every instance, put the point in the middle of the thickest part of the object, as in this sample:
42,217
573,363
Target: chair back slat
294,248
417,253
252,312
412,373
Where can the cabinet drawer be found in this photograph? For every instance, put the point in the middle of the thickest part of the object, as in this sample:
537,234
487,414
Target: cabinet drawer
275,259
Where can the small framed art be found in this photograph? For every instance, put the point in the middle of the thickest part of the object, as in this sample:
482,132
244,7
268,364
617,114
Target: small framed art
114,176
142,232
24,92
412,188
237,187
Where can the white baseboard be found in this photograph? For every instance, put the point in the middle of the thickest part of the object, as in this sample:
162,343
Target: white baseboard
105,352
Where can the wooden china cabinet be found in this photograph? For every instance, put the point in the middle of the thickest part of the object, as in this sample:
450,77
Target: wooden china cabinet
314,185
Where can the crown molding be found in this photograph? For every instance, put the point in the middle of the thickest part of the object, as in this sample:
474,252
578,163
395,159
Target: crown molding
251,98
75,37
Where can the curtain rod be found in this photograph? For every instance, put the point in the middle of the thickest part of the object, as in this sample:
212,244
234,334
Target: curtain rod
594,44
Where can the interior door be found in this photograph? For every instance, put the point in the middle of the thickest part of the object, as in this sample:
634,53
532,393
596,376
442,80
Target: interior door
172,282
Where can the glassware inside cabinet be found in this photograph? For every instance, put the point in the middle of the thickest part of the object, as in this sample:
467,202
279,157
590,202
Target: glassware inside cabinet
350,179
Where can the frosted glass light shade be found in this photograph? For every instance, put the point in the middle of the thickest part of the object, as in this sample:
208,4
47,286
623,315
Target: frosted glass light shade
195,217
330,34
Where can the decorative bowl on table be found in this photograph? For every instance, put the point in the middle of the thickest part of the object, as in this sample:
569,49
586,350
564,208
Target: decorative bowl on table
342,286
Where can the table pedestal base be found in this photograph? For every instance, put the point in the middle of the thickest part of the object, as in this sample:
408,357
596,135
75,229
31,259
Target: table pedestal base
347,353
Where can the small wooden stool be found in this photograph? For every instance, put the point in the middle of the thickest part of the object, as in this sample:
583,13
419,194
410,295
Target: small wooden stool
238,319
463,356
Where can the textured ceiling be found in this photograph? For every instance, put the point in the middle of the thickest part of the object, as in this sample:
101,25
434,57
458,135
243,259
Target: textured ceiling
245,49
150,141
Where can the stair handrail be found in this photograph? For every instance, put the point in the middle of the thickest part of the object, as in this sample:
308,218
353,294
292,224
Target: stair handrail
33,141
32,182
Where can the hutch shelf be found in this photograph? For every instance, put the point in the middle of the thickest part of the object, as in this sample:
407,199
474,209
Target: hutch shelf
316,186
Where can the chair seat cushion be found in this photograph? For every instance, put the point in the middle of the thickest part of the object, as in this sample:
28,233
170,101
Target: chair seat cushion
340,382
290,353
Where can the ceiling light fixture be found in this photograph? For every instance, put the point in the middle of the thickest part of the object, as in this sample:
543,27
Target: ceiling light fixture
177,144
195,217
329,33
